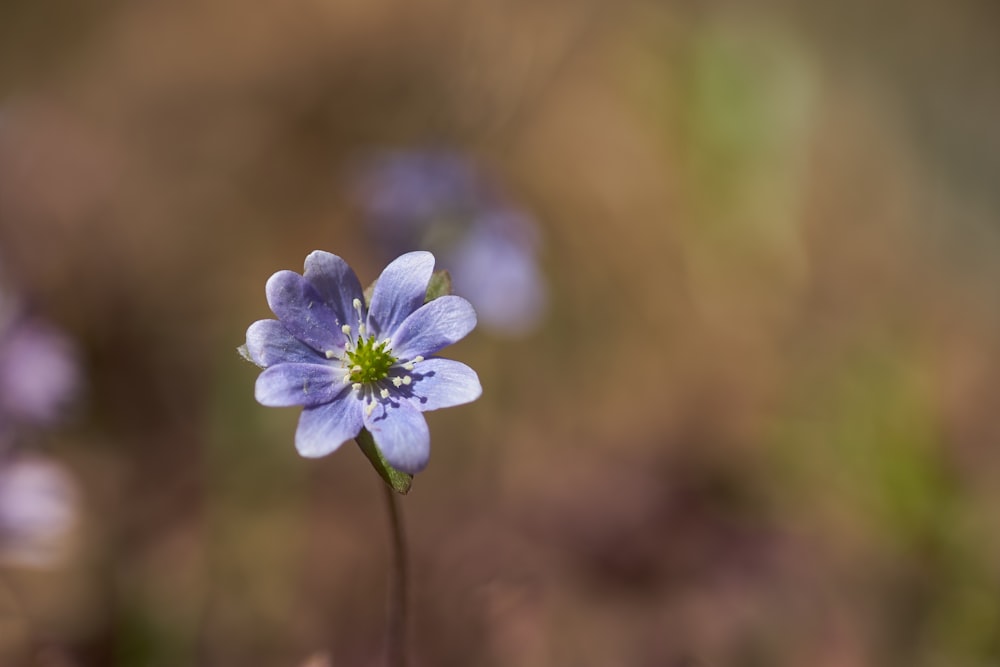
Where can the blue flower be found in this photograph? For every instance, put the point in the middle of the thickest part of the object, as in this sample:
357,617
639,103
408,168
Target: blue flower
38,510
355,366
38,370
440,201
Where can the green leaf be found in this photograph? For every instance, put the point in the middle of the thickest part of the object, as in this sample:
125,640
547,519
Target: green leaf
440,285
400,482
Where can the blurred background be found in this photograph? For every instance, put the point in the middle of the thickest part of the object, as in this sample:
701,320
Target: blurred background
739,342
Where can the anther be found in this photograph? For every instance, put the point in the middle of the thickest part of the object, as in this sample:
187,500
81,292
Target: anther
356,386
357,305
330,354
356,369
384,393
407,380
346,329
397,381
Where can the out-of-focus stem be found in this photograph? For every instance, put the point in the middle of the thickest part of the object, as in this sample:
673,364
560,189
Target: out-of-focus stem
397,627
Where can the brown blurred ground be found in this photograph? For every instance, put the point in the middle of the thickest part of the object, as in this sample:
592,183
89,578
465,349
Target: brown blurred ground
757,428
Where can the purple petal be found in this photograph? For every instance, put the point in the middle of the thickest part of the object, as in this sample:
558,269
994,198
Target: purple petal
435,325
399,291
442,383
270,343
301,309
285,385
324,428
336,284
401,433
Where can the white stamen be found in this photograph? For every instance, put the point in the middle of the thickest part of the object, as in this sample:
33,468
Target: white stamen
346,329
407,380
397,381
417,359
356,369
347,379
384,393
356,386
370,408
330,354
361,320
408,365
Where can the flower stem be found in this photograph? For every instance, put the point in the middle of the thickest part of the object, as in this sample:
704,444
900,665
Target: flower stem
396,627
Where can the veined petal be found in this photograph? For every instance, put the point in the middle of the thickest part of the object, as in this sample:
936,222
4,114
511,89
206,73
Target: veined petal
433,326
399,291
284,385
324,428
442,383
336,283
270,343
301,309
401,433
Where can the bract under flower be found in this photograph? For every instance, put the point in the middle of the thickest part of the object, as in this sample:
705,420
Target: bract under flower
353,365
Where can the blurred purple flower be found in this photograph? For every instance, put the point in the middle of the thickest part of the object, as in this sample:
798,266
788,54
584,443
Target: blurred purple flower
355,366
438,200
37,511
38,371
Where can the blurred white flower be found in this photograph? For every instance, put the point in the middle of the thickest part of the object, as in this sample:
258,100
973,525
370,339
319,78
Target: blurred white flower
38,510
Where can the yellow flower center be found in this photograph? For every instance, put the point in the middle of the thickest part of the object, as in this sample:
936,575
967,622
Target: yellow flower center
369,361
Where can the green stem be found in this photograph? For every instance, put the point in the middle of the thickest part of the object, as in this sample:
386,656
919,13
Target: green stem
396,630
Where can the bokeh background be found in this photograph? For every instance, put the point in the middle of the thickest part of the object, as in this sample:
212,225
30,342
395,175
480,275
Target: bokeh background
755,426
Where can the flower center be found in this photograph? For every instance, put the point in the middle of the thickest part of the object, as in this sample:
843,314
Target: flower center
369,361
